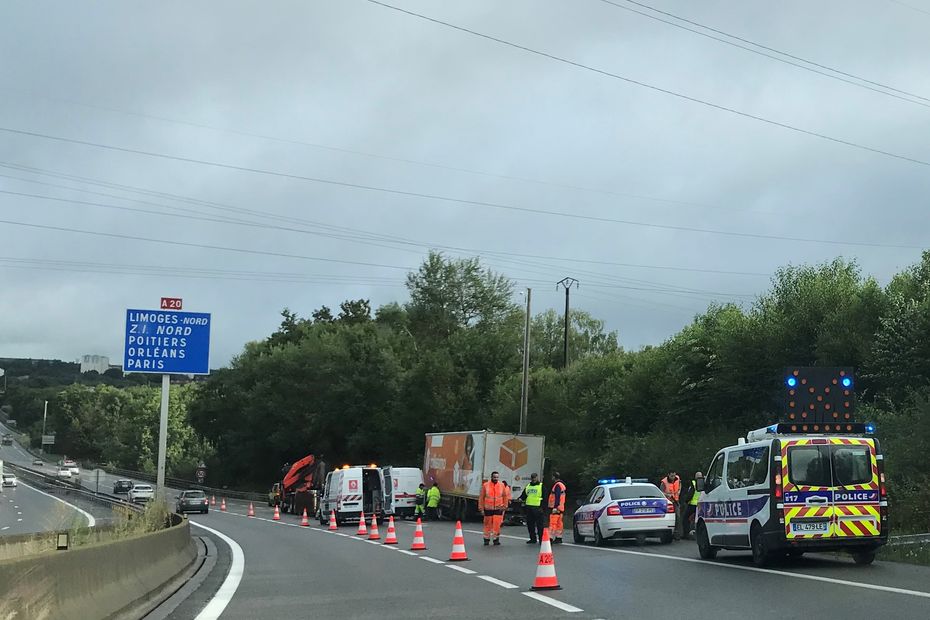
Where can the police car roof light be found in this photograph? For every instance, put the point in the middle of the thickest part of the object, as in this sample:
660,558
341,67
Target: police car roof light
607,481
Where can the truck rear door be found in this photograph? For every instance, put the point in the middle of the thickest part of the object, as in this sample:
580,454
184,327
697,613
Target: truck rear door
388,484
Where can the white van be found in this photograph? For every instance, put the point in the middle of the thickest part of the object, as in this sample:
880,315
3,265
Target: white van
353,490
786,490
406,481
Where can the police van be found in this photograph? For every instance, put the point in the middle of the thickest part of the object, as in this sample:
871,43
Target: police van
352,491
791,488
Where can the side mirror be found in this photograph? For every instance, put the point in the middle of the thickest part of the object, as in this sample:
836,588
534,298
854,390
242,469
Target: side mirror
699,485
579,502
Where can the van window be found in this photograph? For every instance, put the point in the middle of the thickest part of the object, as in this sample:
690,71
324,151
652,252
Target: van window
810,465
714,474
747,468
852,465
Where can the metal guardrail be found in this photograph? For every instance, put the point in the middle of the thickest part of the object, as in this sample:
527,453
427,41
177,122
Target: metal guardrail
180,483
909,539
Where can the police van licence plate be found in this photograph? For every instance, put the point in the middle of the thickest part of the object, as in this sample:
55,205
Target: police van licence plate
641,511
820,527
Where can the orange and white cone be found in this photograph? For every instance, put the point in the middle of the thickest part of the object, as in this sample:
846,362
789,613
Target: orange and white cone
545,568
391,538
374,529
305,521
458,545
213,500
332,522
419,543
223,505
362,528
251,512
277,514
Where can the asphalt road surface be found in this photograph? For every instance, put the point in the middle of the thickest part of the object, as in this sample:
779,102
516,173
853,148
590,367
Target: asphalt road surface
290,571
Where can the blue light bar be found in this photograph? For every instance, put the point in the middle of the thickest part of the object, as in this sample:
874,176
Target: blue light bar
608,481
870,428
791,381
847,382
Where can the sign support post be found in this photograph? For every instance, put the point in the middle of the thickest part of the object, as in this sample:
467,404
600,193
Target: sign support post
163,436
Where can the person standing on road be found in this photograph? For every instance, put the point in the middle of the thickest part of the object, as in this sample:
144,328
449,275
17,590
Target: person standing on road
420,501
556,509
532,508
671,486
691,509
432,502
492,503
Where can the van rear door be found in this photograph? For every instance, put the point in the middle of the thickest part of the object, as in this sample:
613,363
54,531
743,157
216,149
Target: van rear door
831,488
388,485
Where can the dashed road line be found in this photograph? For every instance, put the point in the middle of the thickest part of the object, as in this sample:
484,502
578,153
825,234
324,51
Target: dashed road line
405,552
460,569
551,601
498,582
429,559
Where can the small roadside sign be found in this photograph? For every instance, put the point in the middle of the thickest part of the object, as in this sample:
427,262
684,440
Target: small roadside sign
171,303
48,440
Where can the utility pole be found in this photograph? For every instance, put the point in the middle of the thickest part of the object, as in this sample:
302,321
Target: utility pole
525,386
44,415
567,284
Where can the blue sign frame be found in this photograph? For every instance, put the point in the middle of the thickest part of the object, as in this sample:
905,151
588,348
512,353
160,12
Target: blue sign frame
167,342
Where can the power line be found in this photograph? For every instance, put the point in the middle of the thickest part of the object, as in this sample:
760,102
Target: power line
448,199
909,97
659,89
910,6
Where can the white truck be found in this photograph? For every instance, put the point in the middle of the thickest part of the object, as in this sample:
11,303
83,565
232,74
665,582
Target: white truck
461,461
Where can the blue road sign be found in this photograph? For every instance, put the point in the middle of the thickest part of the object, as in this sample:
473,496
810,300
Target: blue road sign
167,342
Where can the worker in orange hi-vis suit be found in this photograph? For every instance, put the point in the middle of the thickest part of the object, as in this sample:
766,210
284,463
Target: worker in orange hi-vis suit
492,503
556,509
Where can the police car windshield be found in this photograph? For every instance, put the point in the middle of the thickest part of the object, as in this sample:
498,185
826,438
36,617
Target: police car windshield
634,492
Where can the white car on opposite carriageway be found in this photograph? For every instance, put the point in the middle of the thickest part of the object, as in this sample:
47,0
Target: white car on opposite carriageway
624,509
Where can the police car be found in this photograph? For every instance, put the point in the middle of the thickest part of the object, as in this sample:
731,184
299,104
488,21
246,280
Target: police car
624,509
791,488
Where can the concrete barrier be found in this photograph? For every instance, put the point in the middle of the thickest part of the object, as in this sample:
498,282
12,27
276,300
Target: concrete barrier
95,581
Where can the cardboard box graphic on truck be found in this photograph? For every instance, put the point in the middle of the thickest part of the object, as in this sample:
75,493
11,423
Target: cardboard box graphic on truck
461,461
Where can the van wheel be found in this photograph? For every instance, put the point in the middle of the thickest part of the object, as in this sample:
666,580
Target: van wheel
705,549
598,537
864,558
577,537
795,553
760,553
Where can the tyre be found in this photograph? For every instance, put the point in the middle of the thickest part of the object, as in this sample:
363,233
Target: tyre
666,538
795,553
576,537
599,540
761,556
640,540
864,558
705,549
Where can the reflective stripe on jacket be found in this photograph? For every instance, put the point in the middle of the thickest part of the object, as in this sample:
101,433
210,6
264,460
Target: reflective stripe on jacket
421,494
493,497
695,495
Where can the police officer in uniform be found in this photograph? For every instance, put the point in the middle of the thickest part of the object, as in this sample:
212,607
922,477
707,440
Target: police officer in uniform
532,497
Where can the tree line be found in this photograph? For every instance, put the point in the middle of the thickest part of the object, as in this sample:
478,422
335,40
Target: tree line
357,384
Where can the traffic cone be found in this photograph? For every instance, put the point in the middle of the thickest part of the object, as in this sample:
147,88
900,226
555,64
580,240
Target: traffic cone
332,522
391,538
545,568
213,500
362,528
223,505
251,512
374,529
277,514
305,522
419,543
458,545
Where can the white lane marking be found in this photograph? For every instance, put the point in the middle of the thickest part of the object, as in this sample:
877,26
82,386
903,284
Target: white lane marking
5,527
405,552
14,505
19,513
341,534
221,599
460,569
91,521
551,601
498,582
433,560
19,520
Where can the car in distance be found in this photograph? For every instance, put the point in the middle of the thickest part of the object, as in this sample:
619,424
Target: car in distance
141,493
192,501
37,462
75,470
63,473
122,487
9,480
631,508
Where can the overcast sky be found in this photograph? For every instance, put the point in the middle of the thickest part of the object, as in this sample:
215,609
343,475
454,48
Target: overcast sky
351,92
